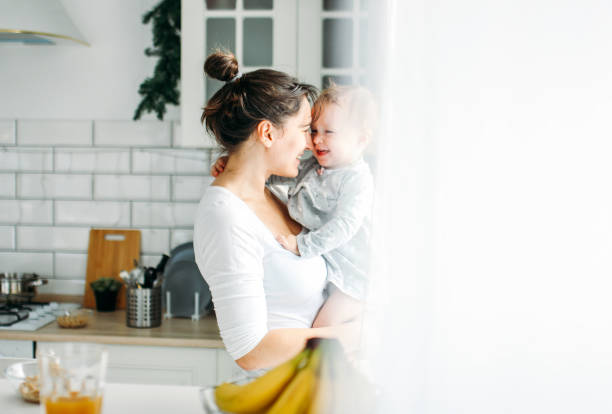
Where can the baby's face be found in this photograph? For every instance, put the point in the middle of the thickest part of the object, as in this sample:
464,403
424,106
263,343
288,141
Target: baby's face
335,142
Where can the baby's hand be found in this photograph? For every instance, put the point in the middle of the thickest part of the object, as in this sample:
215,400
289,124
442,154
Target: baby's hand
289,242
218,166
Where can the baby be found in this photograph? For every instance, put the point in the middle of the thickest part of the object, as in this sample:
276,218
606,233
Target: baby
332,196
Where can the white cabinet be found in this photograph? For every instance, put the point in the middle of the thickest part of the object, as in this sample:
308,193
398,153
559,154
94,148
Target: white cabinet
315,40
135,364
264,36
16,349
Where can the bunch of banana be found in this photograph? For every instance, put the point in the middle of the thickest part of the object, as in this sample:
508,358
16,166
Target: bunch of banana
257,395
297,396
319,380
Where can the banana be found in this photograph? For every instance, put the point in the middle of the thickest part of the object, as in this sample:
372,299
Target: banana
323,397
296,397
257,395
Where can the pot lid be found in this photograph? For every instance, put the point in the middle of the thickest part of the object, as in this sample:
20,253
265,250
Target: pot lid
18,276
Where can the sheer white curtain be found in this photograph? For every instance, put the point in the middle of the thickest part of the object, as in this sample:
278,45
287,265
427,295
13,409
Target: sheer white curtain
493,237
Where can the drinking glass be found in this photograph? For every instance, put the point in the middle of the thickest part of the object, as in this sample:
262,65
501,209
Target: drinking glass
72,377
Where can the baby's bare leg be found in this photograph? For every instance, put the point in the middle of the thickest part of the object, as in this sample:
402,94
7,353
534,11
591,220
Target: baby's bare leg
338,308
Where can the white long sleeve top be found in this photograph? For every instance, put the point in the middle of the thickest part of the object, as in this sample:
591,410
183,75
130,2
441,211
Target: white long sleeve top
256,285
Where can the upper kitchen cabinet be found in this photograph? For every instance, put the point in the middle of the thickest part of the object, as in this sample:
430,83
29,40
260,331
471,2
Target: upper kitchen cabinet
315,40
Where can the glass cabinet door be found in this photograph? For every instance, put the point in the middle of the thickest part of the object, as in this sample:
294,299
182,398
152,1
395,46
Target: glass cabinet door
316,40
261,33
333,49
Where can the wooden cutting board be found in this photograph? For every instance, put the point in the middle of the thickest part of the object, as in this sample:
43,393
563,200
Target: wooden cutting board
110,251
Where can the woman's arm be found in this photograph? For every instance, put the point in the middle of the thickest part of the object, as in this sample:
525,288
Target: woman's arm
278,345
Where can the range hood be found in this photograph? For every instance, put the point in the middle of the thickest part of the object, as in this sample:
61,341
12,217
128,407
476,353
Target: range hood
37,22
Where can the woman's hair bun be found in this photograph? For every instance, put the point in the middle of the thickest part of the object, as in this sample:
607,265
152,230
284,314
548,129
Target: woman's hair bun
221,65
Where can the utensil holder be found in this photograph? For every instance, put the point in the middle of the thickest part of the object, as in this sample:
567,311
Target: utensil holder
143,307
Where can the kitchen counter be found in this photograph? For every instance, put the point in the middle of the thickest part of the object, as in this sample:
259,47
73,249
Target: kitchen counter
121,398
110,328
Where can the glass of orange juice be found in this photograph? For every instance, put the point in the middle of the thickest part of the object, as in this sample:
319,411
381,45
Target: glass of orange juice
72,377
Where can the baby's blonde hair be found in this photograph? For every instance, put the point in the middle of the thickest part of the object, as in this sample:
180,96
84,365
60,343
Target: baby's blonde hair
357,101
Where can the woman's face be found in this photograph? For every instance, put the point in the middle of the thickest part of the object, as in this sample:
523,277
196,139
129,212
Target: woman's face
291,143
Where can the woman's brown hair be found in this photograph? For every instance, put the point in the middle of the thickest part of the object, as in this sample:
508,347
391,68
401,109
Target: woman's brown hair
234,111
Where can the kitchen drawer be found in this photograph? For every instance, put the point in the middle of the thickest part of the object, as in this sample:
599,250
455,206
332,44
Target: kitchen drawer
16,349
227,369
134,364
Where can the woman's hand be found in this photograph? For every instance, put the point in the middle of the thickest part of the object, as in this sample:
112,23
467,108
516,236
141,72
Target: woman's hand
218,166
288,242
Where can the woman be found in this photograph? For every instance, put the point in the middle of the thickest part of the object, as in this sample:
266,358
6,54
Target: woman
265,297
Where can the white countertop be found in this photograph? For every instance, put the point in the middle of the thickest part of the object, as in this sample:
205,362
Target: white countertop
119,399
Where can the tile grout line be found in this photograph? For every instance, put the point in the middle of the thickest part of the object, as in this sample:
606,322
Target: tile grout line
15,184
131,160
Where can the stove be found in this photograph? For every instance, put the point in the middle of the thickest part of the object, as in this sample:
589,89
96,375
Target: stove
31,316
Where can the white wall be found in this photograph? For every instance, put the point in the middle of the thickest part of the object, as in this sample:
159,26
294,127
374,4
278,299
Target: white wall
77,82
510,313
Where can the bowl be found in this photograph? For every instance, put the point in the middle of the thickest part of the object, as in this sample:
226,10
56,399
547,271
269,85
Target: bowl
76,318
207,396
23,377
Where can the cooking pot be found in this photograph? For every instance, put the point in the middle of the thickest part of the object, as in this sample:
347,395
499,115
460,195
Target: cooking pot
19,287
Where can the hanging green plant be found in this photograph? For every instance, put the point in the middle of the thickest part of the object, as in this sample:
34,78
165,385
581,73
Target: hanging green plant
162,89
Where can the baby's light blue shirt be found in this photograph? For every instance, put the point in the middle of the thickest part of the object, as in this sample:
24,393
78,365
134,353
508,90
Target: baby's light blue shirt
335,210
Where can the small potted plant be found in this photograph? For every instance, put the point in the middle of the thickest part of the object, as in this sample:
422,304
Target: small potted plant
105,290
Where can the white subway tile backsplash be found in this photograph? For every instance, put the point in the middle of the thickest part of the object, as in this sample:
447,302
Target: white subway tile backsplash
176,134
7,237
41,263
149,260
70,266
60,178
189,188
54,186
170,161
39,132
93,213
26,211
26,159
52,238
180,236
7,132
154,240
100,160
163,214
65,287
132,134
131,187
7,185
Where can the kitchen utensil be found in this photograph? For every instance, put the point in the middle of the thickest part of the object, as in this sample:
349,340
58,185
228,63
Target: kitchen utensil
182,279
143,307
162,264
19,287
149,277
110,251
158,281
137,276
125,276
